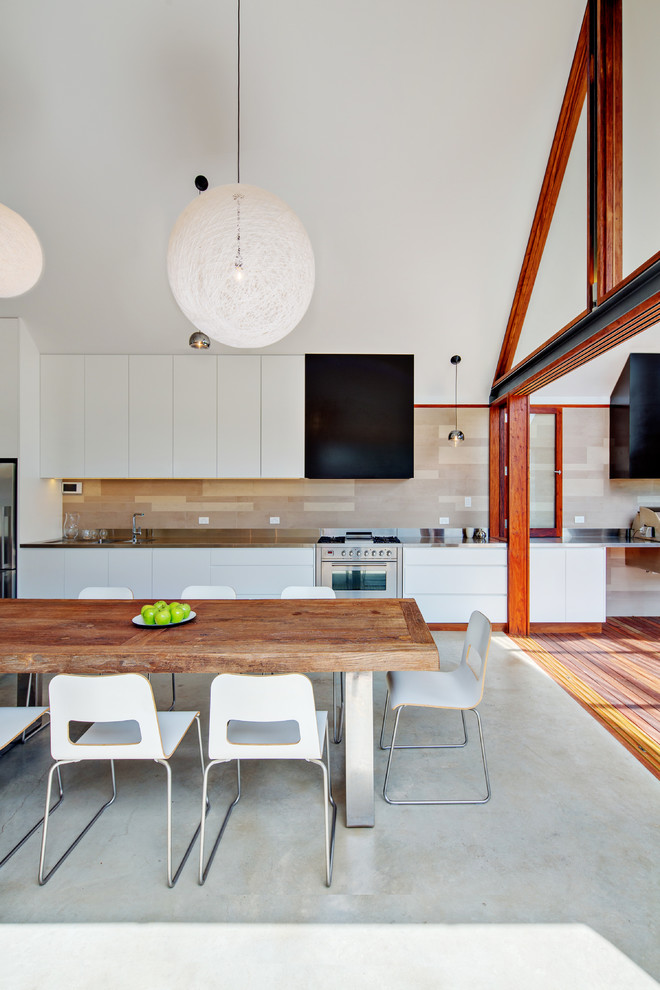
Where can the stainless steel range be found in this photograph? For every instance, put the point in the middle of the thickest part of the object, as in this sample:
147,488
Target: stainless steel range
360,563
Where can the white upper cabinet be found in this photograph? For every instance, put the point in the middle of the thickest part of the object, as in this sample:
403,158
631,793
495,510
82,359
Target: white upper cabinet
194,437
239,416
158,416
283,416
150,407
106,416
62,423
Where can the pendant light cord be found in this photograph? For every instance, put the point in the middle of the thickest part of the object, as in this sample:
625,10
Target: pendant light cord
238,93
456,394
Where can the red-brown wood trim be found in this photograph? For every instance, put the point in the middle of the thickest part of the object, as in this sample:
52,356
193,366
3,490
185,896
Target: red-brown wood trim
494,473
564,627
569,116
518,516
550,340
626,326
555,411
609,151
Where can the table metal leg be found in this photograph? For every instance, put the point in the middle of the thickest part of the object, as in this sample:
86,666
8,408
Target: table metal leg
359,749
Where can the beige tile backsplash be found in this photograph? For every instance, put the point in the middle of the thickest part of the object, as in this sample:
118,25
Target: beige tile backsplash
444,475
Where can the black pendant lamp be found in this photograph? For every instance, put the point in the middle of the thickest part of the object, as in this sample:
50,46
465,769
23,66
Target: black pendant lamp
456,436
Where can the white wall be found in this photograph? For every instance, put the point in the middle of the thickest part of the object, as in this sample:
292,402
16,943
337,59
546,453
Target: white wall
39,500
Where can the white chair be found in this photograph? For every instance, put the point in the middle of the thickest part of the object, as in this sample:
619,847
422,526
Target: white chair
461,689
209,591
15,722
117,594
338,679
109,593
266,718
125,726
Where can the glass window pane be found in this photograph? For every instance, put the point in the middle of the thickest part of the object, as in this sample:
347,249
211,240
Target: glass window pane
542,459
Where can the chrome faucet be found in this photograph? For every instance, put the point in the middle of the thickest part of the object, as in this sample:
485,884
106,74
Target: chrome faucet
137,530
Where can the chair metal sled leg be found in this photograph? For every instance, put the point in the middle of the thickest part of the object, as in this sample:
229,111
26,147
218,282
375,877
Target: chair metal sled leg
44,878
34,827
392,747
338,707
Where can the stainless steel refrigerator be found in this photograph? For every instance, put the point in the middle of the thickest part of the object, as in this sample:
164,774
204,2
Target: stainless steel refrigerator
8,471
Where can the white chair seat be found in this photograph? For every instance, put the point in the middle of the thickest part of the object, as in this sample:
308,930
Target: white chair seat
118,593
434,689
14,722
126,732
286,733
209,591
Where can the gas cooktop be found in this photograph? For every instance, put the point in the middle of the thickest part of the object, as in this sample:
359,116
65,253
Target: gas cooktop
361,536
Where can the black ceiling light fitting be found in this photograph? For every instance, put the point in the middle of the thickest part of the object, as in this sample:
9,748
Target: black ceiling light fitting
456,436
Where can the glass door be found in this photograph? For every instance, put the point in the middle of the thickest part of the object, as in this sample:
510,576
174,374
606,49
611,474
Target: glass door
545,471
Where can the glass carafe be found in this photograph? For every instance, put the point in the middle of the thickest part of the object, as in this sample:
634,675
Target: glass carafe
70,527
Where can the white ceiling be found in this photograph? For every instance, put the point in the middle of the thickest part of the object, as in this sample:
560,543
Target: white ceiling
411,139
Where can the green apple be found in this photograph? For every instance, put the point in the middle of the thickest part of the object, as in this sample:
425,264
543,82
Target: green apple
144,609
148,614
176,611
160,604
162,617
186,609
172,604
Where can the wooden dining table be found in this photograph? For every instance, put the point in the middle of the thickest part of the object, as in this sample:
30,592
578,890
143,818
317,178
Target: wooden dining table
357,636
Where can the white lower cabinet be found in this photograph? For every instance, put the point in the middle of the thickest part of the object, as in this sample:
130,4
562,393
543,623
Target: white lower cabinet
449,583
41,573
567,584
262,572
131,568
174,570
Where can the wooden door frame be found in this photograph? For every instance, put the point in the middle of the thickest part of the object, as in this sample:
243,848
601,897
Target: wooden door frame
555,411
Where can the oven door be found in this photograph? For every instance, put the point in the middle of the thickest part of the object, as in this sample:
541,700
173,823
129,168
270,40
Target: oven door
360,579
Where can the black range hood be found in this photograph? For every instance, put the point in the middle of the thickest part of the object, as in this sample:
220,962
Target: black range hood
635,419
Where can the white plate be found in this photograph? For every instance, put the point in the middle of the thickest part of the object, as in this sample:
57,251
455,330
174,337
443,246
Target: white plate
137,620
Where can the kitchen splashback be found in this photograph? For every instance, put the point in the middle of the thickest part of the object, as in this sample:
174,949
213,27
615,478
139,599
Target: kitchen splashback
444,475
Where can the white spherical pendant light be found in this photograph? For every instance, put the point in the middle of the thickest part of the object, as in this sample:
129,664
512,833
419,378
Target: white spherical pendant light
21,257
241,266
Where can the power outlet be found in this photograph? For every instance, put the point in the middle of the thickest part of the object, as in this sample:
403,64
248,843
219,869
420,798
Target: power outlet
444,520
274,520
579,519
203,520
468,501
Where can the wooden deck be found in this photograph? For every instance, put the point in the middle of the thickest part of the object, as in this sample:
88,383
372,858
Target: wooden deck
614,675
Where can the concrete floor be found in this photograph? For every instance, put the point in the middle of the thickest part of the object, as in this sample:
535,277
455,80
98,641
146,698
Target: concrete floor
561,862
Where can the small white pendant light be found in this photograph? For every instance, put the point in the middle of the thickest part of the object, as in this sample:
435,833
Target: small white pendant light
21,257
239,261
456,436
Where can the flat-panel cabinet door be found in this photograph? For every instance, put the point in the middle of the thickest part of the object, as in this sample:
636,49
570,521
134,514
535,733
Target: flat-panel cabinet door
585,584
85,569
106,416
282,416
174,570
547,582
130,568
239,416
195,416
150,416
40,573
62,415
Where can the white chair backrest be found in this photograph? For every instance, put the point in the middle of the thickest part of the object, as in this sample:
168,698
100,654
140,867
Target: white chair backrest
208,591
249,698
302,591
110,698
476,645
124,593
